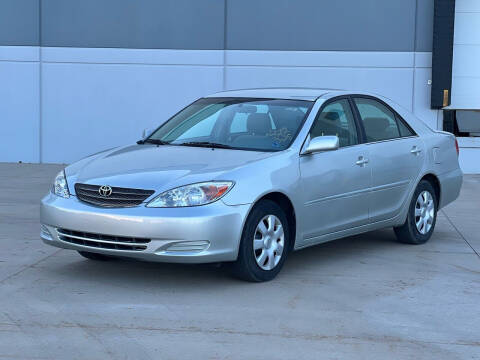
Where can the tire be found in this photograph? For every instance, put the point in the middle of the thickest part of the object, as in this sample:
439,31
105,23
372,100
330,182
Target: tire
251,265
94,256
409,232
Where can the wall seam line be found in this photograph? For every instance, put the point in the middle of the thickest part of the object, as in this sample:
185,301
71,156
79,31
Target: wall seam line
224,79
126,63
414,56
20,61
236,65
40,80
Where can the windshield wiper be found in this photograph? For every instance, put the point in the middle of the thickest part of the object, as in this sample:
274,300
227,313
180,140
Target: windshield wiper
153,141
205,144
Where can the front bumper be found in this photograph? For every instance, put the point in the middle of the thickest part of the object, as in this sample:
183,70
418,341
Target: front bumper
202,234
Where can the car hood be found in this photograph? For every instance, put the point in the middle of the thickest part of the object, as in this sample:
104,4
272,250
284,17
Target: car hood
159,167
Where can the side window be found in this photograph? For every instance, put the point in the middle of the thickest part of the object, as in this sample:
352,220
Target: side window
336,119
379,121
404,129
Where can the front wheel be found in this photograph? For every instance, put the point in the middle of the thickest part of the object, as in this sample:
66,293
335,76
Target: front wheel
264,244
422,216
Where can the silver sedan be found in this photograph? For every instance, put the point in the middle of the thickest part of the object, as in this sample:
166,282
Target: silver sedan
244,177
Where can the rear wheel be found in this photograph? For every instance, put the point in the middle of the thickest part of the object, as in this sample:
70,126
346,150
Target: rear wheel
264,244
422,216
94,256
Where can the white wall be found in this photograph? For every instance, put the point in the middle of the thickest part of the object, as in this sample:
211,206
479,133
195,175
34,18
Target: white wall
93,98
402,76
19,104
466,56
466,74
469,154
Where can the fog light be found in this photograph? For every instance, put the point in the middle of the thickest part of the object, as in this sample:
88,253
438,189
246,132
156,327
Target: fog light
185,247
45,233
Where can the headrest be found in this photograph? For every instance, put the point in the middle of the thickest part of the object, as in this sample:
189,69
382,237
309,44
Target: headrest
331,115
258,123
287,119
376,123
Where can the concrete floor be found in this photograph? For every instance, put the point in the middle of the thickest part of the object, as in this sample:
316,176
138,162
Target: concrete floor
364,297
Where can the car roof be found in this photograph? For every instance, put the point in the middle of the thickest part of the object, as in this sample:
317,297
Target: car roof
296,93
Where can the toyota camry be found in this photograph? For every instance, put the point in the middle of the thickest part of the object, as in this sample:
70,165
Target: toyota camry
245,177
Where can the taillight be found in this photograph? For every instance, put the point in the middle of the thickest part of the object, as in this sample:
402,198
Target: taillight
456,147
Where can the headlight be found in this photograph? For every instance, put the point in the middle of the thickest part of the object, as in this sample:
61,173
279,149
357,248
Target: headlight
192,195
60,186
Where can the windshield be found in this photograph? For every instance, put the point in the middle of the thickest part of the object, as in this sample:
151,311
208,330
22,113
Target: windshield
238,123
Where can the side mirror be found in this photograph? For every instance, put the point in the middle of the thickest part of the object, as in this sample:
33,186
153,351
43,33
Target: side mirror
321,143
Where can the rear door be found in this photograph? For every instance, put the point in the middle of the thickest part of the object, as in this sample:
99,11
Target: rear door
396,156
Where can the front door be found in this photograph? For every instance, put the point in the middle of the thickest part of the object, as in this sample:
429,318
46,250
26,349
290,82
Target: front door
335,184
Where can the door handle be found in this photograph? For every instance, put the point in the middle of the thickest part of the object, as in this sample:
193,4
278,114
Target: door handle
415,150
361,161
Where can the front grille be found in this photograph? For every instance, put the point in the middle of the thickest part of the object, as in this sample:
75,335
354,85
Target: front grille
120,197
102,241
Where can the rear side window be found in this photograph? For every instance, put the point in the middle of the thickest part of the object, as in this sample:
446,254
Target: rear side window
404,129
378,120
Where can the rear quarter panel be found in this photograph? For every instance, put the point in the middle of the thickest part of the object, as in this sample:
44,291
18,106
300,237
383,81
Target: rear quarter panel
441,157
443,162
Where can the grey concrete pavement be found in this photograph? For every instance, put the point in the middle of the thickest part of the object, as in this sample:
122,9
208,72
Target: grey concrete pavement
364,297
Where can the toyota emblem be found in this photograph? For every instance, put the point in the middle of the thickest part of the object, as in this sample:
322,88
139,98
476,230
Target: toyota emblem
105,190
